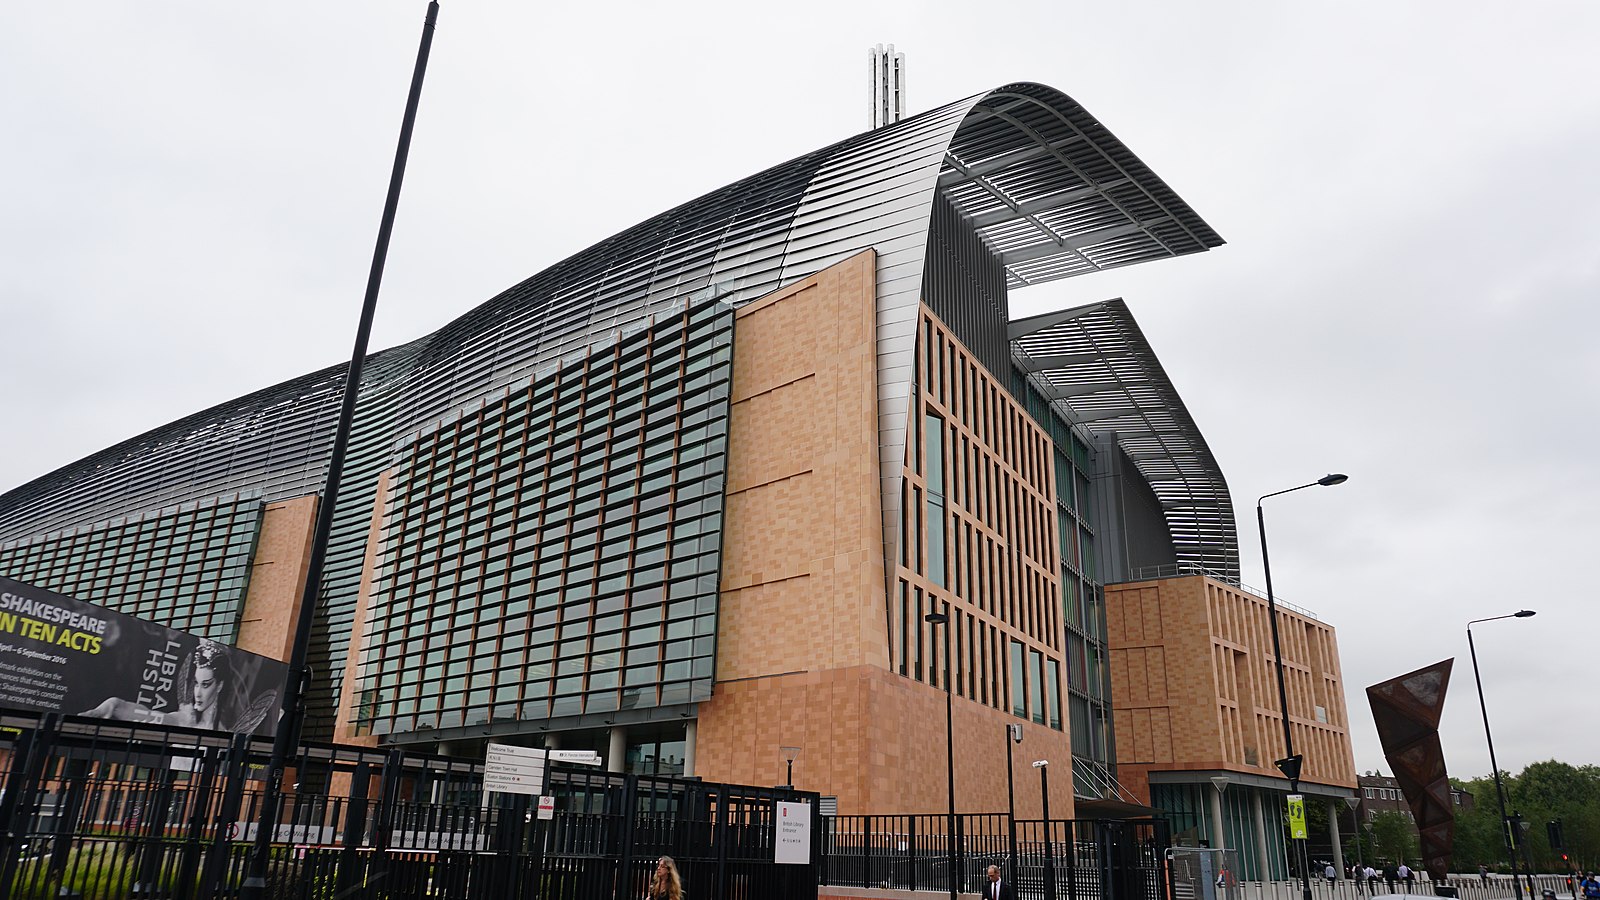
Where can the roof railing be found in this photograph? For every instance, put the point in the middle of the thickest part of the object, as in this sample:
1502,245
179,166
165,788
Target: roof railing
1185,570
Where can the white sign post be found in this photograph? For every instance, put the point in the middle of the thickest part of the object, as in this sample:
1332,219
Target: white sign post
792,845
513,770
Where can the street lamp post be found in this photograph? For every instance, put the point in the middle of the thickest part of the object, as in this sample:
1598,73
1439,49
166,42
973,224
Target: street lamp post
292,709
1220,782
1290,764
1355,831
1013,736
1499,788
790,754
943,618
1043,765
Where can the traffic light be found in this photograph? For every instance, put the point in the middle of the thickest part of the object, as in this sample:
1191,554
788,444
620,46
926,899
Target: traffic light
1553,831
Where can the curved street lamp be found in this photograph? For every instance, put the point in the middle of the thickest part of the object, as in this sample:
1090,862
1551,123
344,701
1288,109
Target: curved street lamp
1499,788
1290,764
790,754
1355,822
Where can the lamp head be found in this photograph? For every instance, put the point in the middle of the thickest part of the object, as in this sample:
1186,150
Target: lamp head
1352,802
1333,479
936,618
1220,782
1524,613
790,754
1015,731
1040,763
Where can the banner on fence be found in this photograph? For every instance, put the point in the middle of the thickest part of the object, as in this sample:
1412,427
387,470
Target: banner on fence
792,845
59,654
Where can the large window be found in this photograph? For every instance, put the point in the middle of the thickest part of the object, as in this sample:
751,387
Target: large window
1036,684
1052,686
186,567
1019,681
562,541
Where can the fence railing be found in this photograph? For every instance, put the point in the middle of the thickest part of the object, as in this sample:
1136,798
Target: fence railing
105,811
99,810
1468,887
1100,859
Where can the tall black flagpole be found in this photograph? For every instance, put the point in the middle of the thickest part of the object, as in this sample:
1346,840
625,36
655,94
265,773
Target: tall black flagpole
293,710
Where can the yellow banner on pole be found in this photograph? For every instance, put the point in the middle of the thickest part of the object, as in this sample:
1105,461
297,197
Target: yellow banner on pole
1297,816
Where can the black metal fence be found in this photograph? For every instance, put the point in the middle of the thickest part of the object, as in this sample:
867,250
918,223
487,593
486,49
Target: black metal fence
1076,858
105,811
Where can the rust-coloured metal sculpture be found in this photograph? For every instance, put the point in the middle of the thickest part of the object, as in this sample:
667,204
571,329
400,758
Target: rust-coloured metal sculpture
1406,710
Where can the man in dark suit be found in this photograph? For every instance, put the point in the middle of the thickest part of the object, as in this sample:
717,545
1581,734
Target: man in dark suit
996,889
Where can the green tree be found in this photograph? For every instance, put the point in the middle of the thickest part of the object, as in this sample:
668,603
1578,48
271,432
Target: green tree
1358,847
1394,839
1543,792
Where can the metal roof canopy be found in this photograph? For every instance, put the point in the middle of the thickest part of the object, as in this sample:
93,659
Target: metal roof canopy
1099,373
1055,194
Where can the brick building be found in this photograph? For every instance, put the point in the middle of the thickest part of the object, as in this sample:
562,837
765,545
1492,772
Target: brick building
690,495
1198,718
1380,793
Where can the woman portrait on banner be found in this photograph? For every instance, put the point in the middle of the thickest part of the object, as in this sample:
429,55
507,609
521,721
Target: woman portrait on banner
209,696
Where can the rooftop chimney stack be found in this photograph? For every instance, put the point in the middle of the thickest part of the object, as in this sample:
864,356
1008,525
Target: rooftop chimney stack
888,86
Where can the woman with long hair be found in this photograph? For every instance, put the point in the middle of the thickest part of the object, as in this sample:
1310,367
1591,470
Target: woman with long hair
665,884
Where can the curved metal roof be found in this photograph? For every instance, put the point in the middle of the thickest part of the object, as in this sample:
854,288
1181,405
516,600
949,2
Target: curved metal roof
1094,366
1048,186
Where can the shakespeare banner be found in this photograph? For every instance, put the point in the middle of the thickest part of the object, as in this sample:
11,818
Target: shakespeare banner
63,655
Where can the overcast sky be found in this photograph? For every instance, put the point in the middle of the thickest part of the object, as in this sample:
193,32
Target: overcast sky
1408,293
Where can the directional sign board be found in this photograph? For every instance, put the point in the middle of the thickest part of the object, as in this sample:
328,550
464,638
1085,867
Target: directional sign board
793,840
577,757
513,770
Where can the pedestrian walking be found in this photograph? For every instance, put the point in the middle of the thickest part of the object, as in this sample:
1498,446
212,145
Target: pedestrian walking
1390,876
666,884
1408,876
1371,875
1330,873
995,889
1483,874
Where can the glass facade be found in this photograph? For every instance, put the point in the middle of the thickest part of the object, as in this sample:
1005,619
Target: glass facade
554,552
1082,596
187,567
1252,824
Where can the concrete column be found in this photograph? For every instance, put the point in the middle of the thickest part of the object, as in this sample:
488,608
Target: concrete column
1334,807
691,730
1219,834
617,754
1264,866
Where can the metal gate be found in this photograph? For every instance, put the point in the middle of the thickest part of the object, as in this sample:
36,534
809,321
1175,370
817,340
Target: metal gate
107,811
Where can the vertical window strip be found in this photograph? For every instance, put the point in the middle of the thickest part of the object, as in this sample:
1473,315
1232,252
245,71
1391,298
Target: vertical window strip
1018,678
